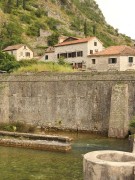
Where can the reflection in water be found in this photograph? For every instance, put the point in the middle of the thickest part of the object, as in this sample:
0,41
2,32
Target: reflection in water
26,164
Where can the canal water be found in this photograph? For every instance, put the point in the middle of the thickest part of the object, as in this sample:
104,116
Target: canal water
27,164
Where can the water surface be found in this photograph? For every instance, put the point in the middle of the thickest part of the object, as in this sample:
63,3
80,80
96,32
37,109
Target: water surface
27,164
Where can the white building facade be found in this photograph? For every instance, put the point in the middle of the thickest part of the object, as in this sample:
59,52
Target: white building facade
74,51
49,55
114,58
20,52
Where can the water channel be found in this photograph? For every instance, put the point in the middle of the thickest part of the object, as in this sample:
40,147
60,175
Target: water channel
27,164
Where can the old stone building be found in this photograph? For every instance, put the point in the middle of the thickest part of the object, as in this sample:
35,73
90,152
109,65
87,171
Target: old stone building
75,50
20,51
118,58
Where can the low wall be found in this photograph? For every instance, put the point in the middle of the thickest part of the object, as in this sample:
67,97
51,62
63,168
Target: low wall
77,101
35,141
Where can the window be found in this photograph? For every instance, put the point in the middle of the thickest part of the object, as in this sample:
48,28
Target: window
73,54
95,43
64,55
91,51
58,56
27,54
69,55
79,53
24,47
46,57
96,50
130,59
79,65
93,61
112,60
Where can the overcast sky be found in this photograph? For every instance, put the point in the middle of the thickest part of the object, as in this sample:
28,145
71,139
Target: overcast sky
120,14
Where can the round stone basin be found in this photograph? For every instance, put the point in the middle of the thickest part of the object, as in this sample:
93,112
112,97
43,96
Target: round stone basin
109,165
116,157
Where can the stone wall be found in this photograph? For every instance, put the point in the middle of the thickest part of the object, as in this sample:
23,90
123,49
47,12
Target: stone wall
119,111
78,101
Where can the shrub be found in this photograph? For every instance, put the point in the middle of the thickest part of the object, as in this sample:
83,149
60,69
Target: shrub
10,66
8,62
62,61
52,23
76,24
11,33
132,122
53,39
25,18
40,12
33,29
17,126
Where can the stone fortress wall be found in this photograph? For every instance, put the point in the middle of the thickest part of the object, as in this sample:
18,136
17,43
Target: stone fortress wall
95,102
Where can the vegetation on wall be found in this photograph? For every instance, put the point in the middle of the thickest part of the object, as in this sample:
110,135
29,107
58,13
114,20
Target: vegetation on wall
17,127
132,122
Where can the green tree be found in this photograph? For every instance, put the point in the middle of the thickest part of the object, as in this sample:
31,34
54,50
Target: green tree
85,29
117,31
11,34
8,7
8,62
17,3
24,4
53,39
94,29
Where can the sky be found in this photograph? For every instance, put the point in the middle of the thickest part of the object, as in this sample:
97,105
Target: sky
120,14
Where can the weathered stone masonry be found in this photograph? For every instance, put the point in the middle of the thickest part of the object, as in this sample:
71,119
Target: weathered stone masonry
78,101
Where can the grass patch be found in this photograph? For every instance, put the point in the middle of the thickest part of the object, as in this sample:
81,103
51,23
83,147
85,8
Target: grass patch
47,67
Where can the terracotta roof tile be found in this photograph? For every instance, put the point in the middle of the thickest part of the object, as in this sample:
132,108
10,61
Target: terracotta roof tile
116,50
14,47
78,41
71,38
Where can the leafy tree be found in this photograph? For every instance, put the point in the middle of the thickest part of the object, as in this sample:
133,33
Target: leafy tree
8,62
85,28
53,39
8,6
34,28
61,61
117,31
11,34
17,3
24,4
94,29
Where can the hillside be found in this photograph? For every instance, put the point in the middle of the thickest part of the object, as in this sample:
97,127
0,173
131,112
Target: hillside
39,22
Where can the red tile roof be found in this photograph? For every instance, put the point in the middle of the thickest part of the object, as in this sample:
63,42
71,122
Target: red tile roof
78,41
116,50
14,47
71,38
